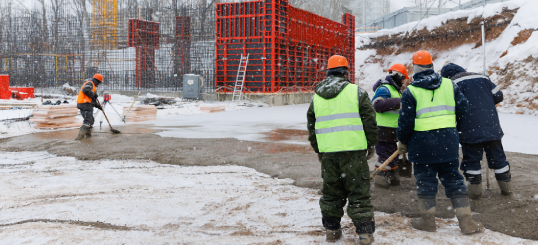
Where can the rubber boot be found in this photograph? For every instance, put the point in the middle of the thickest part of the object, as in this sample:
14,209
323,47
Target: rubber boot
332,228
333,235
503,180
82,132
382,180
365,230
89,133
426,222
395,177
463,213
475,186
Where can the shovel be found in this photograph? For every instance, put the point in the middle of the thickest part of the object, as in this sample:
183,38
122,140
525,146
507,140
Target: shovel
114,131
394,155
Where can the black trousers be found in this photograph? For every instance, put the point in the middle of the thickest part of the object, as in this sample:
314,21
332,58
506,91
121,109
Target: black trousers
88,117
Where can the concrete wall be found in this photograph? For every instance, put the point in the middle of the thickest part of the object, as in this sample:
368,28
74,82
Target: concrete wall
273,99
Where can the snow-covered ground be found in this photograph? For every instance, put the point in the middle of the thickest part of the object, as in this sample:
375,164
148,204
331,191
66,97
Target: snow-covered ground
46,199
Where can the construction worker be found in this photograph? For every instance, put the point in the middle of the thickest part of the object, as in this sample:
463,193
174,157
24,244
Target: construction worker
480,130
386,103
86,101
343,131
427,124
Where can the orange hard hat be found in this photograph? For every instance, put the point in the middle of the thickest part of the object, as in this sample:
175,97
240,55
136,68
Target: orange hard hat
337,61
98,77
399,68
422,58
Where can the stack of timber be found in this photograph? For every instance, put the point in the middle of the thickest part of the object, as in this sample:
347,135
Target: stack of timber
55,116
140,113
212,109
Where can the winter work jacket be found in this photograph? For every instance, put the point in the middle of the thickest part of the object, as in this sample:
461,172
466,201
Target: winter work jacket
330,88
481,124
386,103
86,94
432,146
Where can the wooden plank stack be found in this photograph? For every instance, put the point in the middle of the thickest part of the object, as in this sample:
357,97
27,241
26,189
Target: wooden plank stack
55,116
212,109
140,113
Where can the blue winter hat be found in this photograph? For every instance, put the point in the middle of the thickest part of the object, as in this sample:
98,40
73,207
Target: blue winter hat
451,70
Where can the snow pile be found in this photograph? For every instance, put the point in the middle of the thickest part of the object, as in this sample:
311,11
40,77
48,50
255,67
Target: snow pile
193,108
47,199
514,66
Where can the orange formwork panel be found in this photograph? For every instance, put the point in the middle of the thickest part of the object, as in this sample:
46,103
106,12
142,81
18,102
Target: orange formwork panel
5,93
288,47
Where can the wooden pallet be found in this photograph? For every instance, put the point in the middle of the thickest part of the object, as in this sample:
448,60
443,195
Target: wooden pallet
141,113
55,116
212,109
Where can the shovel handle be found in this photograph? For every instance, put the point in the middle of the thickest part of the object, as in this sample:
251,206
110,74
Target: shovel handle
394,155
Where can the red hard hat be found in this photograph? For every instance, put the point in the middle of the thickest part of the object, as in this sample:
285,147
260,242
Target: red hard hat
98,77
399,68
337,61
422,58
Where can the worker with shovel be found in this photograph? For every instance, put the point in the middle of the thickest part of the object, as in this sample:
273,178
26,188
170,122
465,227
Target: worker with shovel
343,131
427,124
386,103
86,101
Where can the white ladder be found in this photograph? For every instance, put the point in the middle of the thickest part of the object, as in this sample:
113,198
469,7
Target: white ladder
240,80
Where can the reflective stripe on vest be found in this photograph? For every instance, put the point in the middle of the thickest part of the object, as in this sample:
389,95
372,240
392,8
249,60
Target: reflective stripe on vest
83,98
389,119
436,109
338,122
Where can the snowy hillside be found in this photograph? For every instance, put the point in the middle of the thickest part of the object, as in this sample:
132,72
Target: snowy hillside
511,49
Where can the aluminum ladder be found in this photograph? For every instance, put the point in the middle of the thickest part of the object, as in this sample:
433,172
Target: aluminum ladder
240,80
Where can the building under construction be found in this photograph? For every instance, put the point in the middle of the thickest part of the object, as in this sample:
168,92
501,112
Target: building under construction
151,47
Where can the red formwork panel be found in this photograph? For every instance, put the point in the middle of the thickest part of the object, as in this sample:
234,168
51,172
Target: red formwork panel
182,57
24,92
5,93
145,37
288,47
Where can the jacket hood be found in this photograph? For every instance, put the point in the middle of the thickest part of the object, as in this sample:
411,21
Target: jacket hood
451,69
331,86
427,79
387,80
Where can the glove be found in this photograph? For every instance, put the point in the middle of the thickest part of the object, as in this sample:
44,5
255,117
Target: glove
95,96
320,156
371,153
402,148
99,107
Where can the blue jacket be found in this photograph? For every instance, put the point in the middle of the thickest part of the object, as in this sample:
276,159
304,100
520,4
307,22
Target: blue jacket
482,123
434,146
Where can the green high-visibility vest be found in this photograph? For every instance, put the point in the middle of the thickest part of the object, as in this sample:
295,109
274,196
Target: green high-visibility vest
436,109
389,119
338,122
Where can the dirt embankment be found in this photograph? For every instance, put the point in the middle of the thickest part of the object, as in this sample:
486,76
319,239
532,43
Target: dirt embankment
513,216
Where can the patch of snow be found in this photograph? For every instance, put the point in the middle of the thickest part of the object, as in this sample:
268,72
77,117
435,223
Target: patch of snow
50,200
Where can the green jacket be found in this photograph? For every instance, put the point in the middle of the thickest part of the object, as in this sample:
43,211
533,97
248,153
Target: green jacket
329,88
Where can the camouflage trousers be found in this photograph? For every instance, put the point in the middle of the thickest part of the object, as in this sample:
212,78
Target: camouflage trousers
346,176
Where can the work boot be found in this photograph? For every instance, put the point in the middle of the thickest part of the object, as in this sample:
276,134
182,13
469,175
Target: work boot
89,133
365,230
394,177
332,228
82,132
426,222
475,186
503,180
463,213
333,235
382,179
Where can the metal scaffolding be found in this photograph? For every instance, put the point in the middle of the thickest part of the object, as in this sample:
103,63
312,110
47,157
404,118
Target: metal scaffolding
56,45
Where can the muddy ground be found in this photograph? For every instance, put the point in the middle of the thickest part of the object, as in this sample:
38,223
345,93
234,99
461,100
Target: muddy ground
515,216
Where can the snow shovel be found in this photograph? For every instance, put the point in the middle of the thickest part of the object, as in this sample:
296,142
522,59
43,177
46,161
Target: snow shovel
378,170
114,131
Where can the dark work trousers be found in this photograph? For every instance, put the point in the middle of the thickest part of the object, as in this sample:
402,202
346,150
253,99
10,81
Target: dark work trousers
472,156
452,180
384,150
88,117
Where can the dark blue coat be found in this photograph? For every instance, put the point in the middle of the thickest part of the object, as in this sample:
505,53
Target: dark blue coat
482,122
434,146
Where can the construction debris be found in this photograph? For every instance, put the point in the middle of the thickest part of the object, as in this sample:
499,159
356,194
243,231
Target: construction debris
157,101
55,116
212,109
141,113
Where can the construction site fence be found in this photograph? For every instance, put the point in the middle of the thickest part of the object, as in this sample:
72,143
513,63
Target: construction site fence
407,15
53,46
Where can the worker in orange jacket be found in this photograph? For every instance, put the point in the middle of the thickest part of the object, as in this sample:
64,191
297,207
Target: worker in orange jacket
86,101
